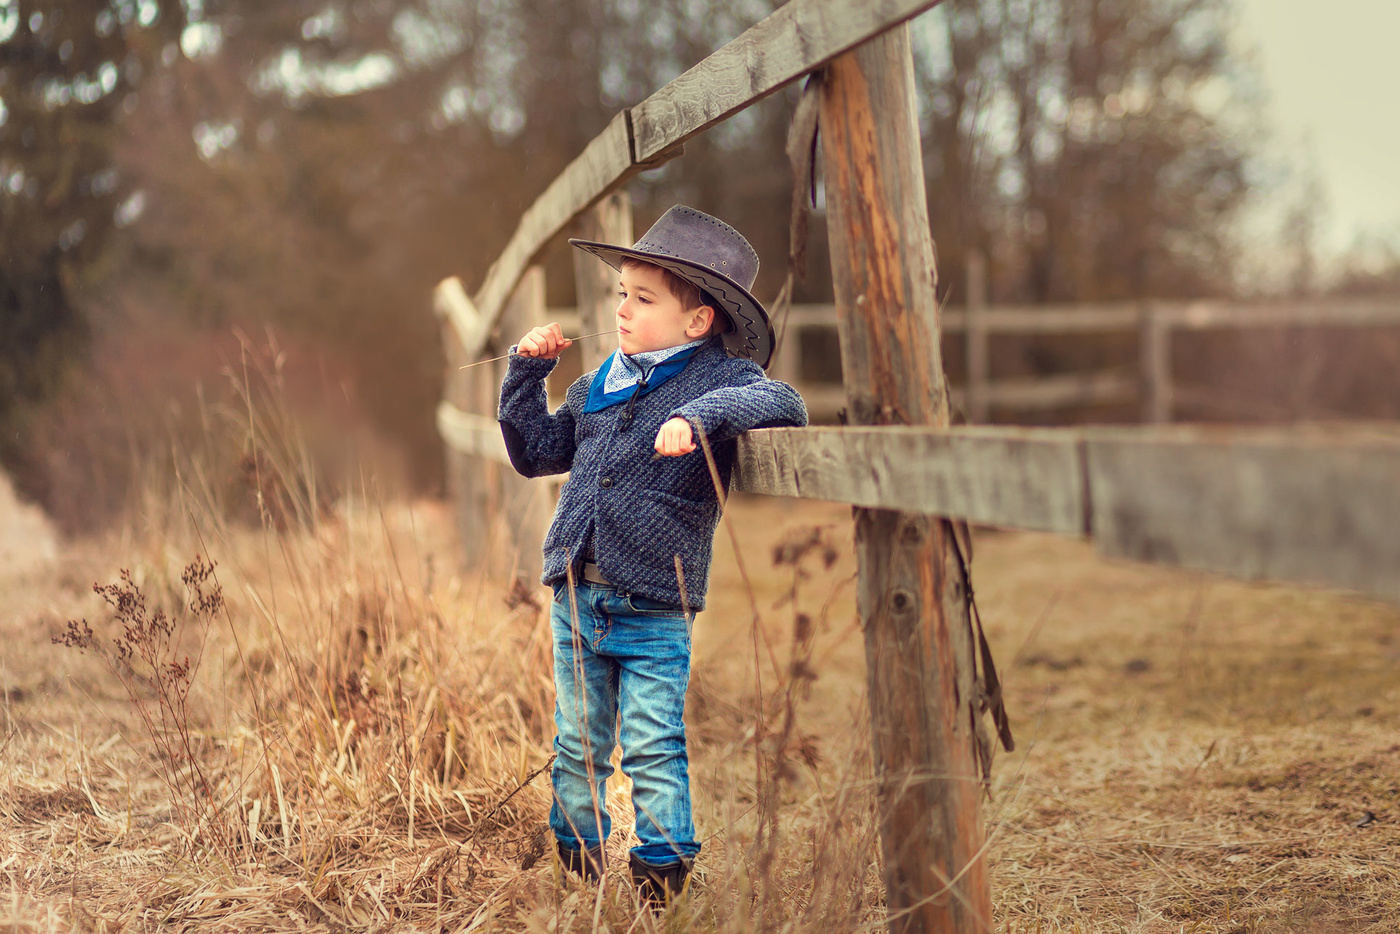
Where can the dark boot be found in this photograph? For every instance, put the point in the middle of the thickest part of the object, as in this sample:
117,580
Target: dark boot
659,884
586,863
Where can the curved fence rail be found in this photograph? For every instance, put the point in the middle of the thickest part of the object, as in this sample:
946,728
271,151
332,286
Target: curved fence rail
803,35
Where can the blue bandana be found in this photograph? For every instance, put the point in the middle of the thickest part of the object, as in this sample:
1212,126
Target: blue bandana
621,377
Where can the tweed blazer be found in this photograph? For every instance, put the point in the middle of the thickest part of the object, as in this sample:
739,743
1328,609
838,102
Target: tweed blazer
632,511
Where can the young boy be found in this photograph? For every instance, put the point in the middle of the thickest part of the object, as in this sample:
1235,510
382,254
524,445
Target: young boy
633,531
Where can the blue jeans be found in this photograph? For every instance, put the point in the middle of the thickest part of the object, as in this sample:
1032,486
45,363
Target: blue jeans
630,655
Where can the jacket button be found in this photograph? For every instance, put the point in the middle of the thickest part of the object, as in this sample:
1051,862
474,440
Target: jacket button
605,482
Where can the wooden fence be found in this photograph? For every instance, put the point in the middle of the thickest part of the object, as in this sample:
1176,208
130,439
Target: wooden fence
1152,385
1319,506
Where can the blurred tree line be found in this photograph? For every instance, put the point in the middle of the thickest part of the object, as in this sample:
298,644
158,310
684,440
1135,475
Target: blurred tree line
172,170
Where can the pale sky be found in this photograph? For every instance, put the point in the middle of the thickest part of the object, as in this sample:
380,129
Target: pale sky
1332,71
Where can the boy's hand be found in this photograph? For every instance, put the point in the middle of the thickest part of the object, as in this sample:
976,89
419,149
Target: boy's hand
674,438
544,342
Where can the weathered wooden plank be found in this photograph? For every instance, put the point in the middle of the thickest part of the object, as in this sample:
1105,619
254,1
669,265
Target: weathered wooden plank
604,164
469,479
452,305
1059,319
525,505
1069,389
1021,478
825,401
1018,319
1292,504
1252,504
801,36
595,282
1155,364
468,433
976,338
912,594
567,318
1329,312
1062,319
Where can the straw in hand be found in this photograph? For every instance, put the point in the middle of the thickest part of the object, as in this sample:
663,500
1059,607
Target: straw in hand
505,355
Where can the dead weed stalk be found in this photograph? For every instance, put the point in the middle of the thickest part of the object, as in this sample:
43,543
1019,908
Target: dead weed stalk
148,655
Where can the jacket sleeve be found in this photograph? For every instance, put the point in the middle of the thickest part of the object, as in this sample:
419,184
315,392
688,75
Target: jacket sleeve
751,401
539,443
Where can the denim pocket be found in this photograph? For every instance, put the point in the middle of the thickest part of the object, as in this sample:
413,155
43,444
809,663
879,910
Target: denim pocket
645,606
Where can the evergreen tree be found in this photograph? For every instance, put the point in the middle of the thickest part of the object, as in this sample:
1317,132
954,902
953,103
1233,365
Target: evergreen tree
69,75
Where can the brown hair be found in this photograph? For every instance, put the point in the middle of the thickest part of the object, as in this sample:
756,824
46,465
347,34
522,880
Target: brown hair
689,294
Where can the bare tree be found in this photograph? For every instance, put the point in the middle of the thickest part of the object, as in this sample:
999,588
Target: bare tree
1094,149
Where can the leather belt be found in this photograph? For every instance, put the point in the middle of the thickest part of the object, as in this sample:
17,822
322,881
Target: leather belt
593,575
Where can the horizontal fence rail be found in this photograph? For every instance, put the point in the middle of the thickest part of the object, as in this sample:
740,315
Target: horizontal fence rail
1320,507
1317,506
1109,317
1150,381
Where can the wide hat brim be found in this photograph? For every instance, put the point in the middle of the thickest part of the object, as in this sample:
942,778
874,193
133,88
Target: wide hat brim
752,333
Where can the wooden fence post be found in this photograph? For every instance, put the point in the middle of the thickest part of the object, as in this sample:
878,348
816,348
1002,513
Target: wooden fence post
525,505
787,362
1155,341
501,516
610,221
468,477
911,599
978,368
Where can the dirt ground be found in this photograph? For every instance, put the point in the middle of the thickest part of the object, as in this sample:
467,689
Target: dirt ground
1194,753
26,540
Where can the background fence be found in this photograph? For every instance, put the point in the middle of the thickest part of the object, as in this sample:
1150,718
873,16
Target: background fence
1150,384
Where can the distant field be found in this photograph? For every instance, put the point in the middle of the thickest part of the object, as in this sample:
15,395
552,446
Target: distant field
1194,754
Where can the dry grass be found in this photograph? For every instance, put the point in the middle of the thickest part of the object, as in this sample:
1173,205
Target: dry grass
1195,754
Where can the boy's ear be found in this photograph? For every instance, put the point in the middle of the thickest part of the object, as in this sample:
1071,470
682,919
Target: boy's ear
700,320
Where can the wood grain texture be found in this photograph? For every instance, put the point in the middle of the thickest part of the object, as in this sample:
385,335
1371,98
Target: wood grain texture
1013,477
882,251
1252,504
468,433
595,282
1061,391
452,304
467,393
525,505
801,36
1126,316
1351,312
604,164
1155,364
1307,505
1317,507
976,339
910,597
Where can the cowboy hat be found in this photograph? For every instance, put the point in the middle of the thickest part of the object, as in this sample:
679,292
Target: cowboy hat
714,256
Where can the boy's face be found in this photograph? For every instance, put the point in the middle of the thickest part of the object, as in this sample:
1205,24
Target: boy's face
649,317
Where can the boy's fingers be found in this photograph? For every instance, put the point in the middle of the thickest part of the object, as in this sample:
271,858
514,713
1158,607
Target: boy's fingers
544,341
